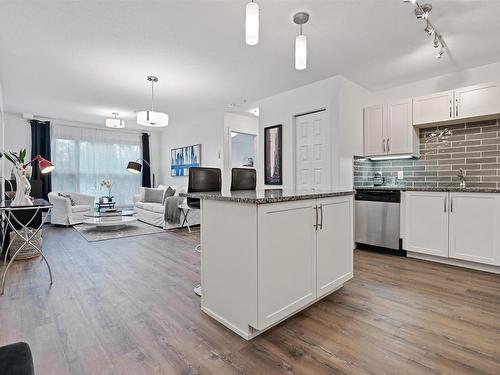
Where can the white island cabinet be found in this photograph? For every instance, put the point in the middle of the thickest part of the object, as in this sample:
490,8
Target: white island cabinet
269,254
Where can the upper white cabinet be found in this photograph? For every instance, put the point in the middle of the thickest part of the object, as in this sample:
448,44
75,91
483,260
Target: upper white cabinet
462,103
388,129
374,130
433,108
477,100
474,227
401,136
426,223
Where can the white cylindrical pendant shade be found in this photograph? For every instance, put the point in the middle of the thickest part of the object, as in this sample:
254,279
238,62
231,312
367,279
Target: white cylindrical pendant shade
252,24
115,123
150,118
300,52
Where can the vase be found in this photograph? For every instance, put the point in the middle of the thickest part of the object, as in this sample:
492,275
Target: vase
23,188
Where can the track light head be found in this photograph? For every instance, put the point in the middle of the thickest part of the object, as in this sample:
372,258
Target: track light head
422,11
436,43
440,53
429,29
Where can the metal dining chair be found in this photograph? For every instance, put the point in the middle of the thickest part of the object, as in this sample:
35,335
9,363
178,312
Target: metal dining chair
202,179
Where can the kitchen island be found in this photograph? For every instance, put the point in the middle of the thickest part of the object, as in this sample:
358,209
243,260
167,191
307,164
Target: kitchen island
267,254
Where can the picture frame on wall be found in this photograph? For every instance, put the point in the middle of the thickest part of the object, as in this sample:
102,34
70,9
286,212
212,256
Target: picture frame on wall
273,155
183,158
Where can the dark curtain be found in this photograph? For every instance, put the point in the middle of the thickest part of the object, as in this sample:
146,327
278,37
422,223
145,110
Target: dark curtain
40,145
146,170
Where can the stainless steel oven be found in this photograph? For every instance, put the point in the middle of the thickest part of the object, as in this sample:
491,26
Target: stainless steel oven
377,218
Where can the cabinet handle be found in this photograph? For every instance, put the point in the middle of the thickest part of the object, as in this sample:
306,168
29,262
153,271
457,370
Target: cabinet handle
316,213
451,204
321,211
456,107
383,144
445,199
451,113
388,148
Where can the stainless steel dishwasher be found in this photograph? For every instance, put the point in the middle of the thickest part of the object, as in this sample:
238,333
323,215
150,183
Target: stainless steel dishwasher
376,214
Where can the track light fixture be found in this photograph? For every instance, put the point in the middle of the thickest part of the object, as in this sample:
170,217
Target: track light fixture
422,13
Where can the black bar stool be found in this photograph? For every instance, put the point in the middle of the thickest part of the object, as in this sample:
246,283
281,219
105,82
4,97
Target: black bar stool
202,179
16,359
243,179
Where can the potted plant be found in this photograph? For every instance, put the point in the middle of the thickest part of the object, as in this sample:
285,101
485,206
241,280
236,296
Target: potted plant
107,184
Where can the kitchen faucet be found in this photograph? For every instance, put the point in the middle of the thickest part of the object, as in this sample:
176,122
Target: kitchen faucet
461,176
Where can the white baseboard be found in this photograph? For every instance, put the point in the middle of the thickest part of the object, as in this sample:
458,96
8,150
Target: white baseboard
455,262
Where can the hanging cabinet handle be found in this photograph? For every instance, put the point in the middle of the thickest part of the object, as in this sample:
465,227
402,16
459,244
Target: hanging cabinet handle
445,203
316,214
451,113
456,107
321,211
383,144
451,204
388,148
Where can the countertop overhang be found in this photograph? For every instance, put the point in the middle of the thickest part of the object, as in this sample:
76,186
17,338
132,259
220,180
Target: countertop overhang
265,196
437,189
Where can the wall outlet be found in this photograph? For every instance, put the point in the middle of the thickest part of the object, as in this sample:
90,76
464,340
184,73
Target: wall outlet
400,175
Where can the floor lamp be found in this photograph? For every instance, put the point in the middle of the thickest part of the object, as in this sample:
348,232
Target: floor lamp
136,167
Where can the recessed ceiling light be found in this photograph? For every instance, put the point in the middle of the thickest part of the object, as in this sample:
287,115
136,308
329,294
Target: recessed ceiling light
254,111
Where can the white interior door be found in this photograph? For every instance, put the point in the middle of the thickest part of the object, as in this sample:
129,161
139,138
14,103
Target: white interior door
313,162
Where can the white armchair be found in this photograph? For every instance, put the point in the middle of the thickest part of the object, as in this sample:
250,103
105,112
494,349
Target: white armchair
63,213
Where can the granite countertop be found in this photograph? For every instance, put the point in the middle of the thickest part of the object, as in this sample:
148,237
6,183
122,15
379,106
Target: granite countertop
267,195
430,188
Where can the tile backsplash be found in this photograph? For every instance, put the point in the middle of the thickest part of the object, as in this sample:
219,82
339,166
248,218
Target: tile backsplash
474,147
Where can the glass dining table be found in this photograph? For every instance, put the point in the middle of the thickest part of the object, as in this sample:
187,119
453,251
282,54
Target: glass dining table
26,230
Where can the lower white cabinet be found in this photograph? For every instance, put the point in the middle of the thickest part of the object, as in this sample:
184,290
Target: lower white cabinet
286,259
474,227
304,252
333,239
457,225
426,223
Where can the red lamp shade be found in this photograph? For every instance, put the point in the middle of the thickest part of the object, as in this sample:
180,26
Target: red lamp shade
45,165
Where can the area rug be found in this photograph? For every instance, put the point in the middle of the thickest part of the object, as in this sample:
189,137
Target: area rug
137,228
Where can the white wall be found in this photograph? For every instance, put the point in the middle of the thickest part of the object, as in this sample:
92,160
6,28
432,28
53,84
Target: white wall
343,101
468,77
17,136
238,122
207,130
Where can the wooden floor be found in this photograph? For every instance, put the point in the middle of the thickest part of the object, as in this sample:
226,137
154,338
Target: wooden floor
126,306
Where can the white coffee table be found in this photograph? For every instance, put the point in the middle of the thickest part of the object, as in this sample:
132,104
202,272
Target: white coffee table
109,221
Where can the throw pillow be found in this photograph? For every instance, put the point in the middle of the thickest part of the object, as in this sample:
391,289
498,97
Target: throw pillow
153,195
69,197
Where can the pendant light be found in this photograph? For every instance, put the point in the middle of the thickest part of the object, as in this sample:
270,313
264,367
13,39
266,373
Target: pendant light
152,118
300,41
252,24
115,122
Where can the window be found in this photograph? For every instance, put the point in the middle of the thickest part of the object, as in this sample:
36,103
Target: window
83,157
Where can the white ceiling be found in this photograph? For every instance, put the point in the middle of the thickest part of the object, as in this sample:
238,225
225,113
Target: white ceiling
83,60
